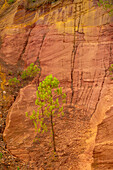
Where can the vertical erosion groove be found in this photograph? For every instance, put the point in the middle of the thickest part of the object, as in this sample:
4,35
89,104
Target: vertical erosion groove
73,55
110,58
38,57
105,75
100,92
24,47
90,93
75,47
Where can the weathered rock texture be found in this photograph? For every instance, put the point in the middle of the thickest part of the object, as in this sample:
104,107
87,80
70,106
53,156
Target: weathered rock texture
103,150
73,41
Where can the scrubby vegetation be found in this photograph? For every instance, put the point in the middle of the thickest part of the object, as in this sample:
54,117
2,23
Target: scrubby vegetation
107,5
31,71
111,71
25,77
11,1
1,155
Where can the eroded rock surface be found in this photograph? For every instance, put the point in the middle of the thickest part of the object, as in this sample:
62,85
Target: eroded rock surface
74,42
103,117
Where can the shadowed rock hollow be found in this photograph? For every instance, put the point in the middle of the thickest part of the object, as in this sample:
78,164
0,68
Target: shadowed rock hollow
73,41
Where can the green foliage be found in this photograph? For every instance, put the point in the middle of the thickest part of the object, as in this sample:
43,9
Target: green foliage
18,168
107,5
13,81
10,72
23,78
50,99
1,155
14,85
31,71
111,70
11,1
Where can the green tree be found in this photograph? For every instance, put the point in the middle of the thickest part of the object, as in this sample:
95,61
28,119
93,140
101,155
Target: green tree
50,99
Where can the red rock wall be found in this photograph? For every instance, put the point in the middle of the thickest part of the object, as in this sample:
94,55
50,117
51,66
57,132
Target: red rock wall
74,43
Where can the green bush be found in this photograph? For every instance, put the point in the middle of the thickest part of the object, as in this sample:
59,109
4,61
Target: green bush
48,103
107,5
14,85
23,78
111,71
11,1
13,81
31,71
1,155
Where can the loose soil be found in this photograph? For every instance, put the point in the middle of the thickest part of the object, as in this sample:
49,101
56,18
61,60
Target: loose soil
71,134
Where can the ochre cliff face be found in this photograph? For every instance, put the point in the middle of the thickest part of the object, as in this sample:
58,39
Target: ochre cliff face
73,41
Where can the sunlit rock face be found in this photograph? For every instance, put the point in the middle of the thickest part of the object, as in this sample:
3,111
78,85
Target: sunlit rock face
102,153
73,41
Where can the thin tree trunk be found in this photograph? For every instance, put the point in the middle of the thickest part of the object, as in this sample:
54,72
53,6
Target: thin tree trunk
53,134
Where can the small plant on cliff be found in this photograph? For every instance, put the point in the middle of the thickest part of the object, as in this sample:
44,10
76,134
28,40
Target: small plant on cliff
18,168
50,99
14,84
111,70
13,81
24,78
0,155
31,71
107,5
11,1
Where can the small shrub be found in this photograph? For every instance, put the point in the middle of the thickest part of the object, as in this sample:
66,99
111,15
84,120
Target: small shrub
1,155
11,1
13,81
107,5
111,71
15,84
31,71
